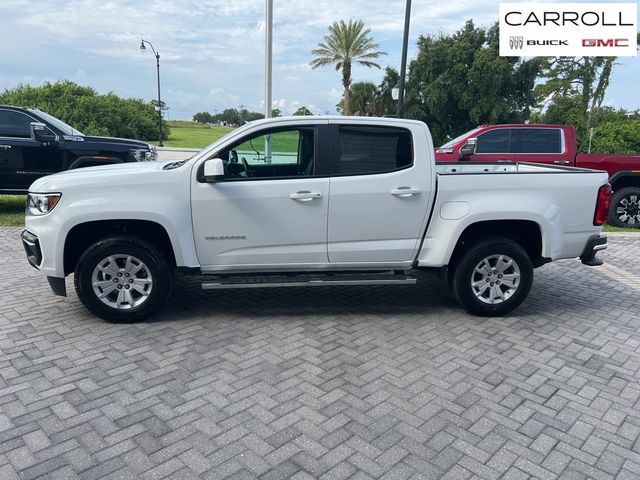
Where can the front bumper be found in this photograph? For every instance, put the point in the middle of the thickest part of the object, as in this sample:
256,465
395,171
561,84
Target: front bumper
593,246
32,248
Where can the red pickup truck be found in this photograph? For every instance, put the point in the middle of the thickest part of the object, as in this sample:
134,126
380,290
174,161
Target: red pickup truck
551,144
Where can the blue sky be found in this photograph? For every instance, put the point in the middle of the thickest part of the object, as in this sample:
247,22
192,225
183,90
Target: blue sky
212,51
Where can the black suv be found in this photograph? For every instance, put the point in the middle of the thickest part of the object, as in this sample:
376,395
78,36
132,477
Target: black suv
34,144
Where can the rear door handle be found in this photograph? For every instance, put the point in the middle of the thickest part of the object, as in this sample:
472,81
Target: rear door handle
405,191
305,196
561,162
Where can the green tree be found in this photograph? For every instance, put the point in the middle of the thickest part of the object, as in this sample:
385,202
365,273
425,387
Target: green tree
616,136
390,80
251,116
203,117
229,116
344,46
301,111
276,112
617,131
93,114
459,81
364,100
573,91
163,106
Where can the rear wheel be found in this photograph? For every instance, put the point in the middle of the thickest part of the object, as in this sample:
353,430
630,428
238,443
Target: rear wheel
625,208
123,279
493,277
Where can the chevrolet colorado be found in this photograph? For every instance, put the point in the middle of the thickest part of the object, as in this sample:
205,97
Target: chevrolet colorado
309,202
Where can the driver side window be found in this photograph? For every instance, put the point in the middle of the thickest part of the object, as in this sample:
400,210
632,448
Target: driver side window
14,124
272,154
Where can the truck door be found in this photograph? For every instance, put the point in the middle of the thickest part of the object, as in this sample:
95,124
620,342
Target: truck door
494,146
381,193
23,160
540,145
14,131
271,208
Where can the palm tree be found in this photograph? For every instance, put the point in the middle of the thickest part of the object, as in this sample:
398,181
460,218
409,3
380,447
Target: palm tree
345,45
364,100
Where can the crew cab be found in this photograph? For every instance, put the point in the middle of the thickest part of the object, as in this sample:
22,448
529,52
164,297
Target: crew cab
556,145
34,143
311,201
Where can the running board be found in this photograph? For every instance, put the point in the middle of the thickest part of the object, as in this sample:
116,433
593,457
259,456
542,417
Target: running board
302,281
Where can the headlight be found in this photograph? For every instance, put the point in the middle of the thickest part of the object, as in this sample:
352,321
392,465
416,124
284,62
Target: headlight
143,155
152,154
41,203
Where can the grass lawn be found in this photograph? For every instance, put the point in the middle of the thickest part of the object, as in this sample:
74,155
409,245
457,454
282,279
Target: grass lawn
611,228
12,210
193,135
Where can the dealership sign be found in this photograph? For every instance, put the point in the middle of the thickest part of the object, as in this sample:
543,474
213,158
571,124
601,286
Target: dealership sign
568,29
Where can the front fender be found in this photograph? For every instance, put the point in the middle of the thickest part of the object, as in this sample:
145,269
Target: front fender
160,207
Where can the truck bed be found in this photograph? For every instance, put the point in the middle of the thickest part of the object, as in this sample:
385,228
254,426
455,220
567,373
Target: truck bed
458,168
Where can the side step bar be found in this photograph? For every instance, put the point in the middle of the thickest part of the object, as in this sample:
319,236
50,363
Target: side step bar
306,281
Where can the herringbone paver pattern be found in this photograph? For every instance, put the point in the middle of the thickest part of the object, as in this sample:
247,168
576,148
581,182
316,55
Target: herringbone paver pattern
331,383
625,255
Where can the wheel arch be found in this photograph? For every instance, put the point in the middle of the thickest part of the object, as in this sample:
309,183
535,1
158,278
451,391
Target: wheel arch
81,236
625,179
525,233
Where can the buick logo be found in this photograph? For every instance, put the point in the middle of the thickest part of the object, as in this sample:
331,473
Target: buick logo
515,43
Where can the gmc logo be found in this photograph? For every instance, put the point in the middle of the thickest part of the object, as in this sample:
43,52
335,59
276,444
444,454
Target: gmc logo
601,42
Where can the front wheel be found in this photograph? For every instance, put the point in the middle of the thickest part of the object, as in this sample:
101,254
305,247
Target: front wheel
123,279
493,277
625,208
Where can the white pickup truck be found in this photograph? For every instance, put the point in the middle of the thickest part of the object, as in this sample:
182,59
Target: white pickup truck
313,201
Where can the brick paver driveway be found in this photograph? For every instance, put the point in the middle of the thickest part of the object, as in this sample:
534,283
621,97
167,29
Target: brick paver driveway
325,383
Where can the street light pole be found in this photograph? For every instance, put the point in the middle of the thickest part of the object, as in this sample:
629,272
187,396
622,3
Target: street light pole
268,57
403,64
157,55
268,72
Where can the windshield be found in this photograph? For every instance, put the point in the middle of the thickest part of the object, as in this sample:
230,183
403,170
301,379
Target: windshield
59,124
451,143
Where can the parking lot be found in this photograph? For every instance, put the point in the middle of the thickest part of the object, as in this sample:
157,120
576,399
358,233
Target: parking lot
359,382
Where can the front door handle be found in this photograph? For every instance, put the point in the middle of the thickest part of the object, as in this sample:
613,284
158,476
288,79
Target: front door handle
561,162
5,147
305,196
405,191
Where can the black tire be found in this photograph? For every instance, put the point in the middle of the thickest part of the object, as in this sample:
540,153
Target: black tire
479,301
625,208
112,253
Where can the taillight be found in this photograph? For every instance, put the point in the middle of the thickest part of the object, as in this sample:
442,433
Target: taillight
602,205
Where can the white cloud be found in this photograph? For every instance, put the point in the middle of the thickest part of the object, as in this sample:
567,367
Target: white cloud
212,51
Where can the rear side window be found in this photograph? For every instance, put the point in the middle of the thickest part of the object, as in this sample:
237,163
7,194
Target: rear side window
14,124
537,140
369,150
494,141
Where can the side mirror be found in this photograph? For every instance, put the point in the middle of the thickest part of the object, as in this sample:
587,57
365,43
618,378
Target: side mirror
41,133
213,170
468,149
